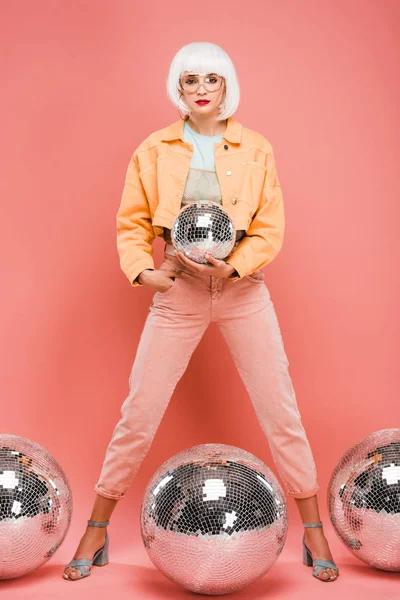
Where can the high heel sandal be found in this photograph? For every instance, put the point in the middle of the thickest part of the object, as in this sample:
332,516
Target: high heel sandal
100,557
317,562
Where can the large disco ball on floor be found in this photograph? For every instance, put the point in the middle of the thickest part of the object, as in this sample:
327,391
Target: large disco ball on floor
213,519
201,228
35,506
364,499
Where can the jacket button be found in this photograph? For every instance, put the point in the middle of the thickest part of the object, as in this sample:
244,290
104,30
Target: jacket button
229,172
226,146
233,200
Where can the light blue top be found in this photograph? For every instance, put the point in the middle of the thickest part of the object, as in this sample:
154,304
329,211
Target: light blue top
203,147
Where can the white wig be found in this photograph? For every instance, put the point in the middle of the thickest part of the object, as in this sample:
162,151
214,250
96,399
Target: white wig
204,57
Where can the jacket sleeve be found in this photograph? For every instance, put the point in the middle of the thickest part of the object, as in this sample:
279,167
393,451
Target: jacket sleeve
264,237
135,233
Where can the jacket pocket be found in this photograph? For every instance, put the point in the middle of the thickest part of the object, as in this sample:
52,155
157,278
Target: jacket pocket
252,184
150,177
256,164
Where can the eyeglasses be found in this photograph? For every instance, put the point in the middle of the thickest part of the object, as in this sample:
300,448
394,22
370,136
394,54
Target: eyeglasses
191,83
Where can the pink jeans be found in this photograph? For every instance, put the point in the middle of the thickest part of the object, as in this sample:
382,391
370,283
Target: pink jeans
174,326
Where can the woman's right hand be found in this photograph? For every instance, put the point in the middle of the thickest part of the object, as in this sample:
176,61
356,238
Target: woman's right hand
158,279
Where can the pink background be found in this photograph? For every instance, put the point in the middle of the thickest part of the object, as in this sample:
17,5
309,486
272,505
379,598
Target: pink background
83,83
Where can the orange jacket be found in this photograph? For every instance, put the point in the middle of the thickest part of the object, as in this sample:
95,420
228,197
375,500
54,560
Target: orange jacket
154,184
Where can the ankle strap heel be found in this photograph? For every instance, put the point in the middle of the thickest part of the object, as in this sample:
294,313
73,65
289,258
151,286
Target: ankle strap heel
84,565
318,564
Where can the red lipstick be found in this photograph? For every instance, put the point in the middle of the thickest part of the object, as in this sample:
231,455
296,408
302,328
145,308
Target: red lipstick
201,102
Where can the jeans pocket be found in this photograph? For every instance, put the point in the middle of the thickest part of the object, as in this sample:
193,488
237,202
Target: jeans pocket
171,288
257,276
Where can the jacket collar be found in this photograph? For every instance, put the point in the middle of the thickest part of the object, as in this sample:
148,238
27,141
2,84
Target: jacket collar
233,132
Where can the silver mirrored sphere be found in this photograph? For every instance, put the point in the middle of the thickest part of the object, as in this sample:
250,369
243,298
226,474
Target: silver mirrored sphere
35,506
364,499
203,227
213,519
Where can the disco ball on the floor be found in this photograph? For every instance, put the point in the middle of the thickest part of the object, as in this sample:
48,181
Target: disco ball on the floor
203,227
364,499
213,519
35,506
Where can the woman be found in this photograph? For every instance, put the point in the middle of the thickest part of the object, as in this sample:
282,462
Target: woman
207,155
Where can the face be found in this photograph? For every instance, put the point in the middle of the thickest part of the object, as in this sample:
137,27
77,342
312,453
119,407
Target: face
191,79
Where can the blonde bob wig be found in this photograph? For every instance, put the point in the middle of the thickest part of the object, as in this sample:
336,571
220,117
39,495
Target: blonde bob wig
204,57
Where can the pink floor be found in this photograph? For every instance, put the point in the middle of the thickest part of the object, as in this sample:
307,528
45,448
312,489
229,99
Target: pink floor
131,575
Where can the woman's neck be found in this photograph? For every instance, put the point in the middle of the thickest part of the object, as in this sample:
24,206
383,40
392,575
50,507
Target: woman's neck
207,126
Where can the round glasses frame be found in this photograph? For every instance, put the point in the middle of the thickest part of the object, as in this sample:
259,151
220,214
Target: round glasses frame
202,78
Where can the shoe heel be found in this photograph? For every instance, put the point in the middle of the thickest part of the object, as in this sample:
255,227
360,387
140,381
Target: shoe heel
101,557
307,558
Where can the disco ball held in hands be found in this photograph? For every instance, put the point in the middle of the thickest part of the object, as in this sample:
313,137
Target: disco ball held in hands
364,499
213,519
201,228
35,506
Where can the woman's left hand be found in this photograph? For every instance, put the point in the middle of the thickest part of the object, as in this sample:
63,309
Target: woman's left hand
218,268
